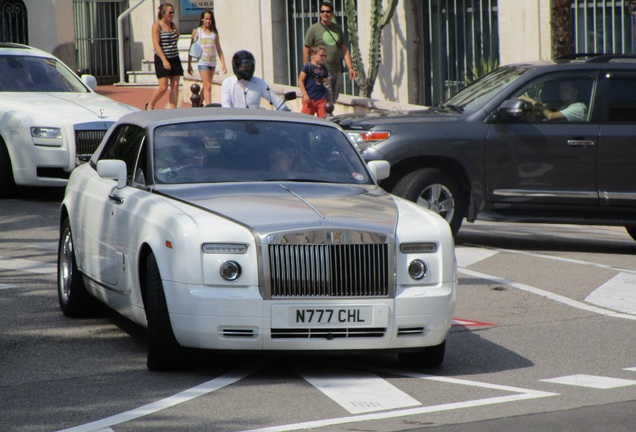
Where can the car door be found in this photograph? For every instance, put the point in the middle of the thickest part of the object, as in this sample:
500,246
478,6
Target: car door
538,162
103,261
617,146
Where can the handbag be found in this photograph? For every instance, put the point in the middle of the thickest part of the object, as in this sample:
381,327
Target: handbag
196,50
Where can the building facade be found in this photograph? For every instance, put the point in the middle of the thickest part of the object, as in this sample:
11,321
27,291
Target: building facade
427,50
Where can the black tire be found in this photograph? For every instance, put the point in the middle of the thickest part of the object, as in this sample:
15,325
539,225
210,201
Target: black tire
74,300
427,357
7,182
631,230
433,189
164,352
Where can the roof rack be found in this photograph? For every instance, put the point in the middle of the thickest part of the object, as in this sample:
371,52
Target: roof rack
594,57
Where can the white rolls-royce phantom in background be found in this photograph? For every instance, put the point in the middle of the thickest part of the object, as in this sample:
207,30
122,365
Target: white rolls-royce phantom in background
50,119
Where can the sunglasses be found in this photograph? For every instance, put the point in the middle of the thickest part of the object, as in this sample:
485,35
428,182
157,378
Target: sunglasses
325,11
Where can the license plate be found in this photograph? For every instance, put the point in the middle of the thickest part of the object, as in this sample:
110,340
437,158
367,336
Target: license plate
350,316
329,316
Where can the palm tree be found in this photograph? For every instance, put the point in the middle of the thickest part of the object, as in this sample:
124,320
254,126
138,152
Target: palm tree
561,22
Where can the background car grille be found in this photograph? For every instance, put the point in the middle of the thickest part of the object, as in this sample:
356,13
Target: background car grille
86,142
340,270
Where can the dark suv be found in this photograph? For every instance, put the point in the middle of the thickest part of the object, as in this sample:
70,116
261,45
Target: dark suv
539,142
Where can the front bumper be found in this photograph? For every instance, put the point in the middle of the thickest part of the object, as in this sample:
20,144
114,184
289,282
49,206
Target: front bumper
239,319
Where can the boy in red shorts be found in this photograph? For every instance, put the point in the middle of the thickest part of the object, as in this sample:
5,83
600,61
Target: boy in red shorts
311,82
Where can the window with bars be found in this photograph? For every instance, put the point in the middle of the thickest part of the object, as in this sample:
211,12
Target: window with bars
14,23
602,26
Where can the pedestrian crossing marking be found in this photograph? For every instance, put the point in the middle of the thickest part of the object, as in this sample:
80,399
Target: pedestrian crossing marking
618,293
356,391
591,381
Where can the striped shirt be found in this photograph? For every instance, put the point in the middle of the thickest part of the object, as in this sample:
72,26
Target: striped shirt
168,42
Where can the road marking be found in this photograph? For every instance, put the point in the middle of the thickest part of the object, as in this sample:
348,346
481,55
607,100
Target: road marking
618,293
469,255
5,286
567,260
356,391
591,381
522,394
185,396
470,323
632,369
27,266
549,295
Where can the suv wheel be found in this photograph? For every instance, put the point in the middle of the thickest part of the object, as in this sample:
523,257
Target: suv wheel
435,190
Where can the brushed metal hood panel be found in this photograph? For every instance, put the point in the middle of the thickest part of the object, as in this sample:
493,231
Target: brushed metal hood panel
276,206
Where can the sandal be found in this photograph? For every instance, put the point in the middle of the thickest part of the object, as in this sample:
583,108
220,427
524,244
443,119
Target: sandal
146,106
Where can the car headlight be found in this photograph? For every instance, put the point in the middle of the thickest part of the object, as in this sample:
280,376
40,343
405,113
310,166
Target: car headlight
409,248
365,139
46,132
417,269
224,248
230,270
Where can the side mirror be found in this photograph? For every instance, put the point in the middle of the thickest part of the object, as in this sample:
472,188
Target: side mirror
90,81
290,96
514,109
113,169
380,169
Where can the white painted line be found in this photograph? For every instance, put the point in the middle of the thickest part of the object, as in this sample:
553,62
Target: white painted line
632,369
357,392
184,396
5,286
27,266
524,394
619,293
549,295
568,260
469,255
591,381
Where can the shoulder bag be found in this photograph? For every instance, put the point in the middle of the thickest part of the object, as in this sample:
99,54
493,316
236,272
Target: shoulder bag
196,50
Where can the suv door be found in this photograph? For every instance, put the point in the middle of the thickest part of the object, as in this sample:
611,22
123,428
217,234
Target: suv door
533,161
617,146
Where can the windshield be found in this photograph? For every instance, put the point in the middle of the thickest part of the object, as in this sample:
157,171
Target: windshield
476,95
247,150
37,74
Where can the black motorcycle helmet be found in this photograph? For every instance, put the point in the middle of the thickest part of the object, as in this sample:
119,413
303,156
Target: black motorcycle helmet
243,65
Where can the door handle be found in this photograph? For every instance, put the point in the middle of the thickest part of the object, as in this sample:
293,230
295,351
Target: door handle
581,143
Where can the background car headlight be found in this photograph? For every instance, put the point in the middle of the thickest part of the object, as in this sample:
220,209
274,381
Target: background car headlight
366,139
230,270
46,132
417,269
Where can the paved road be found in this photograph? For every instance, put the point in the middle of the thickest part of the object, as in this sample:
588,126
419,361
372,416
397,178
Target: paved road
544,340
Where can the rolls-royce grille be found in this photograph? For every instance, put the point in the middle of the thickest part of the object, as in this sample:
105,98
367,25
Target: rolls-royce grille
86,142
342,270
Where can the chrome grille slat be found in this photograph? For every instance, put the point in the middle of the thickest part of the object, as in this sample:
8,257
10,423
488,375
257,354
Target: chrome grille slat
87,141
329,270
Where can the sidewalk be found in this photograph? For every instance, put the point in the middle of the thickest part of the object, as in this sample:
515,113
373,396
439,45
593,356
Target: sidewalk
137,96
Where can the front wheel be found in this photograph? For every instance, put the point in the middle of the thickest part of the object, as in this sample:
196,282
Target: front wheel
74,300
164,352
435,190
7,183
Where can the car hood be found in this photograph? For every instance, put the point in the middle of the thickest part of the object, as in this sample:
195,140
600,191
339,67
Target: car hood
274,207
75,106
370,119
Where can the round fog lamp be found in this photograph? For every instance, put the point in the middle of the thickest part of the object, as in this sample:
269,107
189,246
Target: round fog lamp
230,270
417,269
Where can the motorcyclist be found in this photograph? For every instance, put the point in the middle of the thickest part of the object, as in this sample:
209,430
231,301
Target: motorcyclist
244,90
